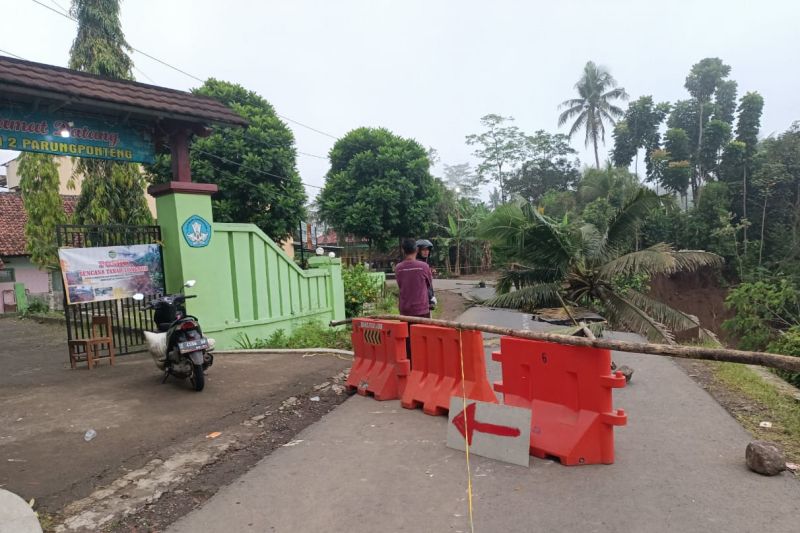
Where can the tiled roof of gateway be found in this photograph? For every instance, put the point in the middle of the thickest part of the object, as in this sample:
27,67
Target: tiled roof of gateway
13,218
83,86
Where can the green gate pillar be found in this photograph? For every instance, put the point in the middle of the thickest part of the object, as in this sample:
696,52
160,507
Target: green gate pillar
336,287
183,210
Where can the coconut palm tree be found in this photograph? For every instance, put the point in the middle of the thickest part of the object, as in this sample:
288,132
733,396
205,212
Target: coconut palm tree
596,90
558,263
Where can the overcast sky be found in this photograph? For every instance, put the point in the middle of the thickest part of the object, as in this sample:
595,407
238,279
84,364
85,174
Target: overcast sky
430,69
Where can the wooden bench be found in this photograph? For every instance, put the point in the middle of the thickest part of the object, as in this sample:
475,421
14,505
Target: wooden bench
101,336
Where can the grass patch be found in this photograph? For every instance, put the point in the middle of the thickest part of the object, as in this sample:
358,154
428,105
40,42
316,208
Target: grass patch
772,405
308,335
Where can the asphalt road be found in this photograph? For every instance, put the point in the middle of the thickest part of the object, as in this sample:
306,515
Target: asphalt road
45,409
373,466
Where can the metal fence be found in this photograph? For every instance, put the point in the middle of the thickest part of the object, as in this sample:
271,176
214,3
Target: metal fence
128,316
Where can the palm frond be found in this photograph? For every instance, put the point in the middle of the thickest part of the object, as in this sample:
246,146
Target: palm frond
527,298
672,318
517,275
572,102
593,243
621,312
623,224
615,93
659,259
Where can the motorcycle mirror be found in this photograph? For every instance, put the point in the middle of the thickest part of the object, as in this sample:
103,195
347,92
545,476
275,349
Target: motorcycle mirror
189,283
138,296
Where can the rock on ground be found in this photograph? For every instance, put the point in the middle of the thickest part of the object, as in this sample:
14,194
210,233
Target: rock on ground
765,458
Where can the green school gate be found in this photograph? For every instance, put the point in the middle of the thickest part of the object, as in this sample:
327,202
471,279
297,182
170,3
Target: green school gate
246,284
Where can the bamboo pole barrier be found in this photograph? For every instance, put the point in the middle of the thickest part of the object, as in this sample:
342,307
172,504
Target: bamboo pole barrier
777,361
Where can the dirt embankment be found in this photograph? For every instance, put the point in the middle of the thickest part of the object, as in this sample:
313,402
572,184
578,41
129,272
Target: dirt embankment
700,293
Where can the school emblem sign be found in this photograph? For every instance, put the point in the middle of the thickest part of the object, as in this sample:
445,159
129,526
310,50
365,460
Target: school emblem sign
197,231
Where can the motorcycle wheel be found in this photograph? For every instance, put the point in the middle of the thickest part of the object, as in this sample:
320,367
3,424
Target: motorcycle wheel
198,378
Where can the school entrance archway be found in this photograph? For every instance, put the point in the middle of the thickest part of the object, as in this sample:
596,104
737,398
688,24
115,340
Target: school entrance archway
54,110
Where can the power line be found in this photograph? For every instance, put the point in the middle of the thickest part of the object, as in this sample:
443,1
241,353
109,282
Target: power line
10,54
173,67
256,170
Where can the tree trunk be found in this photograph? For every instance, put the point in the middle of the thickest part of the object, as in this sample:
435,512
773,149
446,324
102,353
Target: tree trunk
458,259
763,223
744,205
696,182
596,157
781,362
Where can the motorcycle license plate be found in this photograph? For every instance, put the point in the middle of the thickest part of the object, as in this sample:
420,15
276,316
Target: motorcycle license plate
193,346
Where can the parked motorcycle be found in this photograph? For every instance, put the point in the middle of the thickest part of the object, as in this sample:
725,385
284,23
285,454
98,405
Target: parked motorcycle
178,345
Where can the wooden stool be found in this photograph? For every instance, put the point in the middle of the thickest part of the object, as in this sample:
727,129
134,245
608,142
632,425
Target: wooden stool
92,344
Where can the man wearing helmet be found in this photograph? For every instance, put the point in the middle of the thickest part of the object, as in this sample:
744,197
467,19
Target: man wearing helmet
424,247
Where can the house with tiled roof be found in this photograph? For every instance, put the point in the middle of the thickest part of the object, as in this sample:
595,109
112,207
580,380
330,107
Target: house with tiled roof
15,263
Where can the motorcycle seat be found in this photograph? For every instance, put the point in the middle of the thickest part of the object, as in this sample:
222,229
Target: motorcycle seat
163,326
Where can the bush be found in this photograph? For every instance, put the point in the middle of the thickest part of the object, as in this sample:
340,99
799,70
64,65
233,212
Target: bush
788,343
763,309
38,306
308,335
359,288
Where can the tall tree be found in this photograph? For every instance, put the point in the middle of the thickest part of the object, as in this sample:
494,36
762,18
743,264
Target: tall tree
501,148
725,101
702,83
462,178
39,184
111,192
597,89
379,187
550,164
639,128
254,167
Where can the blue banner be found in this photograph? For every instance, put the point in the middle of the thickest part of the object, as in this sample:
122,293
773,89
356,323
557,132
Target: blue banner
74,136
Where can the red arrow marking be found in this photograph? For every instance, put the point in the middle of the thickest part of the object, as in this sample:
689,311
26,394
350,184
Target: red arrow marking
466,424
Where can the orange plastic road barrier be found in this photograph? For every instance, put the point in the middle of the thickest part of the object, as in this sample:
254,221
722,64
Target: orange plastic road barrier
380,365
568,390
436,373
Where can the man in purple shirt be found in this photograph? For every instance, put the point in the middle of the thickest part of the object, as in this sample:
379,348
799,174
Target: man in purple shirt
415,281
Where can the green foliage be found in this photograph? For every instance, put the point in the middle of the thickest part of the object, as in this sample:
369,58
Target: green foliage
36,306
100,46
762,310
379,187
788,343
111,193
463,179
308,335
725,101
557,204
550,165
642,121
254,167
750,108
359,288
39,184
611,183
561,262
501,148
597,90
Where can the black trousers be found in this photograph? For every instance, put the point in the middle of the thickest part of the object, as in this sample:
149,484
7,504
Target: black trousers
408,339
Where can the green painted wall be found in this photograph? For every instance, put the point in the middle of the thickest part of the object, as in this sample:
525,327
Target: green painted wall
246,284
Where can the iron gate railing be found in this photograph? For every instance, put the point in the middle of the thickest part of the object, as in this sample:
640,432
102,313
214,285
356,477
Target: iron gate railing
129,318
